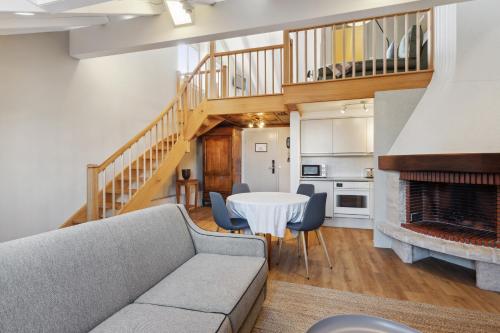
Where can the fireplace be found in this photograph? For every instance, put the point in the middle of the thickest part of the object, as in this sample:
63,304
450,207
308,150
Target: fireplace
458,207
450,196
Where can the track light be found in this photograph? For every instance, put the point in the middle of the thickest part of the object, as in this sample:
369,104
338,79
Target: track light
250,124
365,107
344,109
261,124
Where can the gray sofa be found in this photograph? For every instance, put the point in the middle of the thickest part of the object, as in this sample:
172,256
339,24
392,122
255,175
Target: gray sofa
148,271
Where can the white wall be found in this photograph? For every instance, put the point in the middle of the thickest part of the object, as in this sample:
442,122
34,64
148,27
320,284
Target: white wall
58,114
459,112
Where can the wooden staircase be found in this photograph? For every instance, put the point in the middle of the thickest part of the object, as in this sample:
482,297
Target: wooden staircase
271,79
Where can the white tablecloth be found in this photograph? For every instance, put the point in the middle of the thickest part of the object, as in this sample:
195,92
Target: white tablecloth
268,212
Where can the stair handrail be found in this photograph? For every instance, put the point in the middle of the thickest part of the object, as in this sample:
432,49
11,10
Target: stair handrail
176,99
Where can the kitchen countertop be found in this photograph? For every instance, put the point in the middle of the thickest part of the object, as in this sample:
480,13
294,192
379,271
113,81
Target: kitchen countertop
339,179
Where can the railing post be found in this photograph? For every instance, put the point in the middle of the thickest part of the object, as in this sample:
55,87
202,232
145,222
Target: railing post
92,192
286,57
213,73
185,109
223,74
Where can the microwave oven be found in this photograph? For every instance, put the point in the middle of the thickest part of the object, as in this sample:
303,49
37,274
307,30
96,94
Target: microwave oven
314,170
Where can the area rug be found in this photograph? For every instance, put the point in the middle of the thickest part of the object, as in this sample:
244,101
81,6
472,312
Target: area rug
293,307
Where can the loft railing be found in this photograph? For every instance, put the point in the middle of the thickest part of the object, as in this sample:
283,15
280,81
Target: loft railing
114,182
249,72
398,43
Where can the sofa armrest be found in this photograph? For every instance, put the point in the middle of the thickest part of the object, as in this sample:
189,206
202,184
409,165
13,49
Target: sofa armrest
227,244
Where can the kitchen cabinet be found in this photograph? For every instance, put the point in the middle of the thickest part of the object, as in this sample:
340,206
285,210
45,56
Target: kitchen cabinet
350,135
369,135
316,137
323,186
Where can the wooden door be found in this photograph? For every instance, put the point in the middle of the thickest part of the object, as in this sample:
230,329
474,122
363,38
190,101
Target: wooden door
218,164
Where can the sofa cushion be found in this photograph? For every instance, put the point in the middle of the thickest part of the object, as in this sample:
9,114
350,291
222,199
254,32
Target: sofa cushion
145,318
212,283
153,242
67,280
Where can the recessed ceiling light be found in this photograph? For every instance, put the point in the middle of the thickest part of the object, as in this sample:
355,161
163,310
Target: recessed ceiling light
178,13
24,14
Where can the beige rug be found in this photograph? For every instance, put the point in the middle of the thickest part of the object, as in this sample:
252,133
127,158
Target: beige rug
293,307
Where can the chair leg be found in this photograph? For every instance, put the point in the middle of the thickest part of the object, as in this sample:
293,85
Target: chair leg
298,245
302,234
322,241
280,242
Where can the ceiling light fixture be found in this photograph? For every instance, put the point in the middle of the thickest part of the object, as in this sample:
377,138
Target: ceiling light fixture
365,107
250,124
179,14
261,124
24,14
344,109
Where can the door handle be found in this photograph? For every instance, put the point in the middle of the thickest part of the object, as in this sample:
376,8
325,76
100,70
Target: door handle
272,166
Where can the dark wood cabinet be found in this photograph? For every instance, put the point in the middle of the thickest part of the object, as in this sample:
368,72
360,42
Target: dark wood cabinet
221,161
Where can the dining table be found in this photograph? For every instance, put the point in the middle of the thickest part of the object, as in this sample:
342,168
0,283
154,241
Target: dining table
267,212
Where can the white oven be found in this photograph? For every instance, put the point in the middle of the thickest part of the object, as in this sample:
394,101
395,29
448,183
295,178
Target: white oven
351,199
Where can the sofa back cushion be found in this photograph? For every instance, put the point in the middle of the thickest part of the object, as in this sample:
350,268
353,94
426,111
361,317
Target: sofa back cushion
152,243
66,280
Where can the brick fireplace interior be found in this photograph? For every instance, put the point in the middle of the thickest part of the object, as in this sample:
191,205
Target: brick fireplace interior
451,196
462,207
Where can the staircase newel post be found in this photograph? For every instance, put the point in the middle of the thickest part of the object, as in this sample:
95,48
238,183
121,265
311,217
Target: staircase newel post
92,192
213,72
286,57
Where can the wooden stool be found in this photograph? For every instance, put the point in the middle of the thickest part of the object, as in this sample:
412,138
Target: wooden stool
188,184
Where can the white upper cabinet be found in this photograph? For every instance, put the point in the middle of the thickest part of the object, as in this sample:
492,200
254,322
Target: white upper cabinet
369,135
350,136
316,137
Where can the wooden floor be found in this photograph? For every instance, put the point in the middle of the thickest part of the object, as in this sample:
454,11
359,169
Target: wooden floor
361,268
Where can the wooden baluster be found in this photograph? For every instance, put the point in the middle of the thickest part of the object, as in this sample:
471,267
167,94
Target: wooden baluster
272,69
208,84
286,56
250,72
406,43
150,153
163,129
334,52
290,69
353,48
122,180
374,40
137,164
258,72
130,172
315,56
92,192
104,193
144,171
418,46
363,55
281,71
323,42
265,72
384,45
296,56
430,39
227,81
156,144
243,84
113,190
395,43
224,81
305,55
343,50
235,78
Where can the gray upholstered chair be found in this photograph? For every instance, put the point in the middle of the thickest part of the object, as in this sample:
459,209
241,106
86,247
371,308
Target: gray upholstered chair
240,188
306,189
221,215
314,216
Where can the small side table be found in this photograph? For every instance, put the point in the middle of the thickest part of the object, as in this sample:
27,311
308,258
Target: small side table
188,185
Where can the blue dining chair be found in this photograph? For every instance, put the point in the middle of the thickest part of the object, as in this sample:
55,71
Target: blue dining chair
221,215
240,188
306,189
313,219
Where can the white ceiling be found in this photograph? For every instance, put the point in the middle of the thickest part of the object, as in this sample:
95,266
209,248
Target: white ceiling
70,14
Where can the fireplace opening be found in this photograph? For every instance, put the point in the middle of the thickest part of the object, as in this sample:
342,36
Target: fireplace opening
467,213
